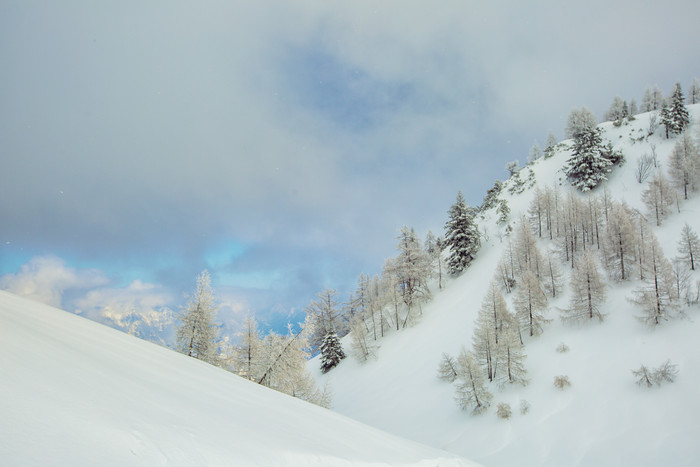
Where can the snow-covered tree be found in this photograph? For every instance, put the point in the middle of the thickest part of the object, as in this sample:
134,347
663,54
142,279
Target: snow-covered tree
674,115
653,99
550,145
684,165
491,197
489,325
590,161
528,255
470,391
530,302
434,246
461,235
511,355
197,334
247,355
656,297
447,370
587,291
411,269
331,351
658,197
617,111
323,315
361,344
580,121
551,275
535,153
620,241
694,92
689,245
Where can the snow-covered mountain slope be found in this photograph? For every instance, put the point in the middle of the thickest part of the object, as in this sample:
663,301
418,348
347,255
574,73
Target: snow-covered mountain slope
604,418
75,392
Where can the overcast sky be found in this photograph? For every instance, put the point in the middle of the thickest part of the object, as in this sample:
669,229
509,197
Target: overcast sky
282,144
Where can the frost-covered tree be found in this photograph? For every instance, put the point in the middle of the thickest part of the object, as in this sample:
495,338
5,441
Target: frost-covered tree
617,111
331,351
587,291
694,92
197,334
580,121
689,245
551,275
411,269
634,109
658,197
656,298
491,197
447,369
323,315
620,241
512,168
684,165
591,160
528,255
246,359
511,355
535,153
550,145
653,99
674,115
530,302
434,246
471,393
461,235
490,323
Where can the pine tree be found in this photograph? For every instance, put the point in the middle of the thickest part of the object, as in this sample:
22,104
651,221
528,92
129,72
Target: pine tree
470,390
587,291
689,245
461,236
588,165
331,352
674,116
197,334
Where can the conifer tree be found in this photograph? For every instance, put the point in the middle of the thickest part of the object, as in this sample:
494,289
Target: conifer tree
589,164
684,165
689,245
247,356
197,334
322,316
530,302
656,297
461,235
587,291
331,352
674,116
470,391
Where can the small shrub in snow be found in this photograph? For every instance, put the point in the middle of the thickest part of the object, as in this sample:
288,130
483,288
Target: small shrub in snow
562,348
666,373
524,407
503,411
561,382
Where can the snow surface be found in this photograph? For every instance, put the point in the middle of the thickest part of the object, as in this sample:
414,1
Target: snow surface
604,418
77,393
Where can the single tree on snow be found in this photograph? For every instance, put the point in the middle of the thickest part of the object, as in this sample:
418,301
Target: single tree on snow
246,359
331,351
197,334
587,291
470,392
590,161
689,245
489,325
656,298
322,316
447,370
620,238
658,197
511,355
461,235
674,115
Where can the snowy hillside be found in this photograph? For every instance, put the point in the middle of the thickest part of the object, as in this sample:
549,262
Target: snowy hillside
604,418
76,393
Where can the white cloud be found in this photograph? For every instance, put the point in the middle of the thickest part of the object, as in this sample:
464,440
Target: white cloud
47,278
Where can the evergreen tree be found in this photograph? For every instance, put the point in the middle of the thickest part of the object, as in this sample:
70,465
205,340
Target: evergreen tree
461,235
589,164
689,245
197,334
674,116
331,351
587,291
491,197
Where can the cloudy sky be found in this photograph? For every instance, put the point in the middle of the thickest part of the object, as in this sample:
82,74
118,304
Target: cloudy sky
282,144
